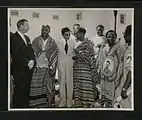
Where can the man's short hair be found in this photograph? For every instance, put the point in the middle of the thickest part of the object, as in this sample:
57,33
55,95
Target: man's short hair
21,22
101,26
65,29
111,31
77,25
82,30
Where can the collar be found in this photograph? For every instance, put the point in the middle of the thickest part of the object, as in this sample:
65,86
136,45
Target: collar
21,34
63,39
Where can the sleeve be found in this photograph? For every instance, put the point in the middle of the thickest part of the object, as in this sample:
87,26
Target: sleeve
120,66
16,53
54,61
84,53
128,81
88,55
32,51
92,61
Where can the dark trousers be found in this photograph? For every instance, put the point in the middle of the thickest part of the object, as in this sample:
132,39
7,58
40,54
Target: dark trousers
22,87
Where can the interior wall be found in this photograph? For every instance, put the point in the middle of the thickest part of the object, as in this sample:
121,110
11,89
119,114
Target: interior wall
128,21
90,19
45,18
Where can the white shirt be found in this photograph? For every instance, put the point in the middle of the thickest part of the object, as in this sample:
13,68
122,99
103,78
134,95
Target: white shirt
42,61
77,44
61,46
22,36
98,40
44,44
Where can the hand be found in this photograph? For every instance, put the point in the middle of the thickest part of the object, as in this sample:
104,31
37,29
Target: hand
75,58
124,94
98,86
52,72
31,64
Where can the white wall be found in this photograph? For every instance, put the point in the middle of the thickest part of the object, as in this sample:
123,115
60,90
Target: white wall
90,19
45,18
93,18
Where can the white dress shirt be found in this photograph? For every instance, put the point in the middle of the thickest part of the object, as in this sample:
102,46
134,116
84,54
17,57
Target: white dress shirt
22,36
77,44
44,44
98,40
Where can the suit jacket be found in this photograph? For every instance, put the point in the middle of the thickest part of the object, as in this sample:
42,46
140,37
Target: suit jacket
21,53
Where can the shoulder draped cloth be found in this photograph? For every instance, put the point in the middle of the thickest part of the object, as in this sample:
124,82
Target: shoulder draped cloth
51,50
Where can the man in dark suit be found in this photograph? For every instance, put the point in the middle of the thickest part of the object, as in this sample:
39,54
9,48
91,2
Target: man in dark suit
23,61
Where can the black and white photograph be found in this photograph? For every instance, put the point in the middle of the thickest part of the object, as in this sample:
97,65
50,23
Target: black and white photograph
70,59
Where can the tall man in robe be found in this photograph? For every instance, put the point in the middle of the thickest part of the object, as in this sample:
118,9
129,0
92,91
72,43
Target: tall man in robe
23,61
65,67
42,90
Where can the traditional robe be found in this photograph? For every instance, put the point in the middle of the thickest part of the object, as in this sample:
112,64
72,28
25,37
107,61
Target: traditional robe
85,76
42,89
111,78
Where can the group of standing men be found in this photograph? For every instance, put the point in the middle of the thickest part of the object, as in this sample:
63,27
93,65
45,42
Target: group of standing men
80,64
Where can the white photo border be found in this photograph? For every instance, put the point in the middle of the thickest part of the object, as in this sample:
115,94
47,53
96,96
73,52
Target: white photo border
72,109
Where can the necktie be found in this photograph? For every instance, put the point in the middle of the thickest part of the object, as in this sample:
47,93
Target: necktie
66,47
